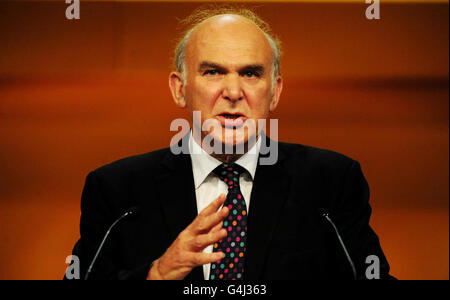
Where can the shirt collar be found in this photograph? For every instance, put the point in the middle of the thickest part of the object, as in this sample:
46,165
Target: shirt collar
203,163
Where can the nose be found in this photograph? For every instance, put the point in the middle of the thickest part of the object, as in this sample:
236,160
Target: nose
232,90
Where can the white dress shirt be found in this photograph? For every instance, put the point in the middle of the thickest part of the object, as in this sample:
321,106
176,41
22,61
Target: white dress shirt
208,186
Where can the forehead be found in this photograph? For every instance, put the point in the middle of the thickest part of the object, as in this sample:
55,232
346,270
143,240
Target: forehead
229,40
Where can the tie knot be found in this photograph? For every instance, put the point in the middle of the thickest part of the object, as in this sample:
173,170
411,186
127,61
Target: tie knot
229,172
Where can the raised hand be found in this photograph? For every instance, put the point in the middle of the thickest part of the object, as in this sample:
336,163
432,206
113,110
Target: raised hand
185,253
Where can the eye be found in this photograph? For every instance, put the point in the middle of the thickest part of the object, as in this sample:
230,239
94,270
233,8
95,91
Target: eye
211,72
251,74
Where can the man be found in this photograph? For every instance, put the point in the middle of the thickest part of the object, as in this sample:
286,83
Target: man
220,215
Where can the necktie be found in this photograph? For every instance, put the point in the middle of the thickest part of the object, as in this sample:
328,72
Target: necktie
231,267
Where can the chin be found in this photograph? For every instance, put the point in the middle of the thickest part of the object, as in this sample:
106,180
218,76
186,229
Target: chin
229,141
229,137
233,137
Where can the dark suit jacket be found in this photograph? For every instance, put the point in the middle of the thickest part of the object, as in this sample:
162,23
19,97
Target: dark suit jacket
287,237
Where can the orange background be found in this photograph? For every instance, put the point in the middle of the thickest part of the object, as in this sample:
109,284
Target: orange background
77,94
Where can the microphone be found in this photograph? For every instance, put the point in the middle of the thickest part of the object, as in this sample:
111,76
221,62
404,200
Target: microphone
324,213
132,211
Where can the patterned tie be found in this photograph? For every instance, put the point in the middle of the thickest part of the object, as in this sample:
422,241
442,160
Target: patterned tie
231,267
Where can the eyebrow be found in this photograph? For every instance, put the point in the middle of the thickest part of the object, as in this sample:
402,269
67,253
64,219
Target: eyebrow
258,68
210,65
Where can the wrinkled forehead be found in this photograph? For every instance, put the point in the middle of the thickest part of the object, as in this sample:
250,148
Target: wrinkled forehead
228,39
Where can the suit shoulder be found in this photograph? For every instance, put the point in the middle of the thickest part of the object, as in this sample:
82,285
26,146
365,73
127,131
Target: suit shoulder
314,156
133,164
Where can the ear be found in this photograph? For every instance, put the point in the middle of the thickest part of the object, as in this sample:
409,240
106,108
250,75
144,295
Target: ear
276,93
177,88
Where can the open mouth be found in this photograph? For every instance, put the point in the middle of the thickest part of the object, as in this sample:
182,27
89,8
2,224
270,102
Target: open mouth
231,119
231,116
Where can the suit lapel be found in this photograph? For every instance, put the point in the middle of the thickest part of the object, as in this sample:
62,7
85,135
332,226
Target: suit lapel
269,193
176,189
177,192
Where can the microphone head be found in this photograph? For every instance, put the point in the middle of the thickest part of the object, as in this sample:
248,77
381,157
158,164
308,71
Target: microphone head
322,211
133,210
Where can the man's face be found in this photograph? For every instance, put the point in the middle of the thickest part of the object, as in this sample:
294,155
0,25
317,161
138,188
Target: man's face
229,65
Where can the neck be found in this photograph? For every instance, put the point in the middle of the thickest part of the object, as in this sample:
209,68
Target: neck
226,158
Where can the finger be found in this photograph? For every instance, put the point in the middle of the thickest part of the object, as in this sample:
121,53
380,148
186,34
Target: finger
217,227
200,258
202,223
213,206
205,224
202,241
